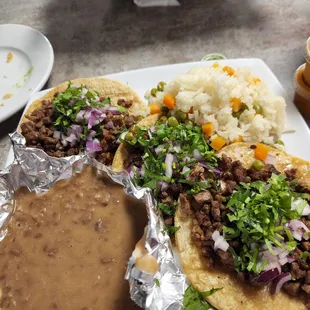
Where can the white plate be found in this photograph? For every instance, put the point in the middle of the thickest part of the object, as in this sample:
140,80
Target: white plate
143,79
26,71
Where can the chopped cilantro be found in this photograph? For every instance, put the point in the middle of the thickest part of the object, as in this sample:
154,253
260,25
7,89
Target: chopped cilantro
165,209
195,300
258,212
171,230
121,109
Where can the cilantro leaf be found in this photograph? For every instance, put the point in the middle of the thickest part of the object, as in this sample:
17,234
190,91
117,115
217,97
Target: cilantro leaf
171,230
194,300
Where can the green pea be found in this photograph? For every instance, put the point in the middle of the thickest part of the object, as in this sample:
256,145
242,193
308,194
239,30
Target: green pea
258,165
160,86
280,142
154,92
181,116
161,133
129,136
258,109
172,121
163,120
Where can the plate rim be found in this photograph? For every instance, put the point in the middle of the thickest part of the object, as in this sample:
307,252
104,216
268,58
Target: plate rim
45,77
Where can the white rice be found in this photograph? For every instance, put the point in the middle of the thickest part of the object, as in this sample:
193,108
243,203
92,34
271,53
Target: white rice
209,91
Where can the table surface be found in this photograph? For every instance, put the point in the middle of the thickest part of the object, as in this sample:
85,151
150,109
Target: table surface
99,37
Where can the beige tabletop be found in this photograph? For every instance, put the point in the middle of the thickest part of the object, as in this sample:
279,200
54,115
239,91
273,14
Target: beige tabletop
98,37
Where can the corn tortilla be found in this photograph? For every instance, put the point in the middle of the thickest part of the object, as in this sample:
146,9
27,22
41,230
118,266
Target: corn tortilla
235,294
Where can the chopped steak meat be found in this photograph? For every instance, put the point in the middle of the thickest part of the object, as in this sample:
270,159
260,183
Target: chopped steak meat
39,132
185,205
204,196
292,288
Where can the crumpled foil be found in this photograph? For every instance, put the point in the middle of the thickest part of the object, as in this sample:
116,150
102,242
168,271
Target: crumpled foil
34,169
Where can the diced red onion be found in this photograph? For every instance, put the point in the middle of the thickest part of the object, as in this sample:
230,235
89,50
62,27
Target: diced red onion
219,242
93,146
185,169
273,265
297,202
197,155
279,281
271,159
299,230
91,134
306,210
290,259
111,109
168,163
109,124
283,253
283,261
215,170
141,171
71,139
266,276
177,148
77,129
163,185
64,142
56,134
80,116
158,149
84,90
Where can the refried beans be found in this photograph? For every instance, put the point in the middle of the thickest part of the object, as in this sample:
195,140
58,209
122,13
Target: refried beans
68,248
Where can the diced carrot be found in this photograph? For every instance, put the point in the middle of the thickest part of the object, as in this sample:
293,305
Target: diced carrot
169,101
239,139
256,80
230,71
236,104
261,151
154,108
217,143
208,129
215,65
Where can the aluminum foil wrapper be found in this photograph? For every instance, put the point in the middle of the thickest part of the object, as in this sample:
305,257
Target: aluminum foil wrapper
34,169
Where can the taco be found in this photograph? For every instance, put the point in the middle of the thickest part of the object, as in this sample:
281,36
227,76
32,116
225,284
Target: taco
87,114
250,238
